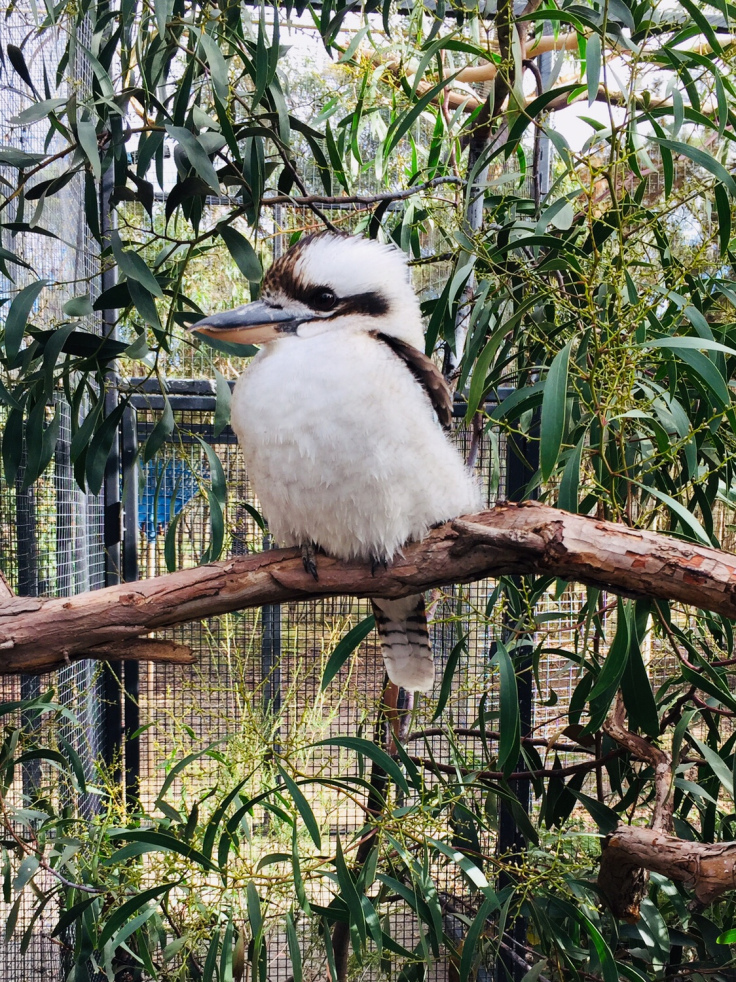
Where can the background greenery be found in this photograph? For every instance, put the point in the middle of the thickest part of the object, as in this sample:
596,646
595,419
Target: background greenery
605,299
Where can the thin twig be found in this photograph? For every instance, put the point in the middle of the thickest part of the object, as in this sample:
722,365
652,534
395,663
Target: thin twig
582,768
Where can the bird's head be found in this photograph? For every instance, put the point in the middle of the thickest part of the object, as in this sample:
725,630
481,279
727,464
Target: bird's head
327,282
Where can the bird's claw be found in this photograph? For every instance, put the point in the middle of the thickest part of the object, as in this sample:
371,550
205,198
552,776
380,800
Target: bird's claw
309,562
376,562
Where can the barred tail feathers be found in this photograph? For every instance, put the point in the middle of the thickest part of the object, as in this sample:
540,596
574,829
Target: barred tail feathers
402,629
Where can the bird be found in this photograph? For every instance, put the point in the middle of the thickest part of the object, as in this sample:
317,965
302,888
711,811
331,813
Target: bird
343,420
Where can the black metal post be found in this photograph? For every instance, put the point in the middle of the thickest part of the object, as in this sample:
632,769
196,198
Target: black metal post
28,573
131,707
522,461
271,654
112,672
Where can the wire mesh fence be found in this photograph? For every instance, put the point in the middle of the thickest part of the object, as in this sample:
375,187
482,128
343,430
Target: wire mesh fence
257,680
51,533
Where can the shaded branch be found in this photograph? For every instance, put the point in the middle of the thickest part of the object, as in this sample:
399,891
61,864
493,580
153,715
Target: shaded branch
359,199
582,767
659,760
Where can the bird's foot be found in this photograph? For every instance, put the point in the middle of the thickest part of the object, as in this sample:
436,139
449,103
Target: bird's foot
309,553
376,562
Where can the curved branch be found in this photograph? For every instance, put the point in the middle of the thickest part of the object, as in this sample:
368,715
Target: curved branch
37,635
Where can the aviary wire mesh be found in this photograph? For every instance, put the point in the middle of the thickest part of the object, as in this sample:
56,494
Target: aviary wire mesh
258,673
257,679
51,534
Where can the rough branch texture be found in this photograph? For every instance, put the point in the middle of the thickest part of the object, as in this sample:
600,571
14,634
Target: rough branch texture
37,635
708,868
630,853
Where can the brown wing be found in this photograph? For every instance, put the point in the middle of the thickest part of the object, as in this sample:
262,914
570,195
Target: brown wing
427,374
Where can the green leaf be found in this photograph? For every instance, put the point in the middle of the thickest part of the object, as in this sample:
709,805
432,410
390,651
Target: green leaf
20,310
39,110
680,343
702,159
40,441
723,207
242,252
223,399
295,951
448,676
121,915
403,124
554,412
161,432
75,762
481,368
254,909
12,444
636,688
593,62
170,542
709,375
79,306
144,304
26,870
299,890
473,872
717,764
151,841
10,157
618,654
345,647
367,749
87,133
509,744
349,893
196,154
470,941
538,105
567,497
132,926
183,763
303,807
605,955
133,266
686,517
218,65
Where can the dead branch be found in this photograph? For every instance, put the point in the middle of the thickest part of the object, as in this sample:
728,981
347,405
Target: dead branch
38,634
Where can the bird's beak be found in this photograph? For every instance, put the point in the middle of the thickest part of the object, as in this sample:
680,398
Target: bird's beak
253,323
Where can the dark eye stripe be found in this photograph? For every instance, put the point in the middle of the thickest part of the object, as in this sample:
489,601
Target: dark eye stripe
372,304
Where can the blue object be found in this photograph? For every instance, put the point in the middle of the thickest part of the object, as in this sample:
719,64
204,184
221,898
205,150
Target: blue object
168,488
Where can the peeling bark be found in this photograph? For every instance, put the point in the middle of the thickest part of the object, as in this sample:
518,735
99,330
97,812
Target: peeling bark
623,877
37,635
630,853
707,868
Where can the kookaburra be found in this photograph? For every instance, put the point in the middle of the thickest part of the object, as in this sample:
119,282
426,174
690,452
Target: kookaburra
342,420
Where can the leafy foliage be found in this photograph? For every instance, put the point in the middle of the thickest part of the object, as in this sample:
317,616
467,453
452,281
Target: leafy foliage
604,299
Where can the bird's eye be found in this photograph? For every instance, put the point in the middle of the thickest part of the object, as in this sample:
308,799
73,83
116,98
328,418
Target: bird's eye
322,298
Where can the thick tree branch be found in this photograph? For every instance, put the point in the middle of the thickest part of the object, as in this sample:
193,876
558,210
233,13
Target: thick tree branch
37,635
630,853
708,868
